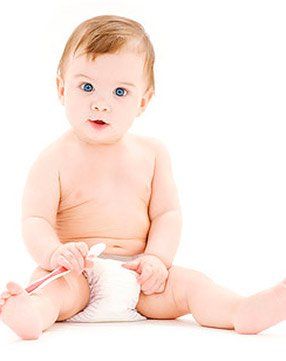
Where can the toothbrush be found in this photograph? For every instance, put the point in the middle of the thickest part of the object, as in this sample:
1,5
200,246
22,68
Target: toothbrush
94,251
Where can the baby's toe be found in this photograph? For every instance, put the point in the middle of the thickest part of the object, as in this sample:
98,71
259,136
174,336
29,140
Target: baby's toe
5,295
3,298
2,302
13,288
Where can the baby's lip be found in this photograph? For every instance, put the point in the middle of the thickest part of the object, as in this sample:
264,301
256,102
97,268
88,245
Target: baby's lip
97,120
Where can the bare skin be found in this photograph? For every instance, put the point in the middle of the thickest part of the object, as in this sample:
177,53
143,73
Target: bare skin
19,312
105,195
107,185
186,290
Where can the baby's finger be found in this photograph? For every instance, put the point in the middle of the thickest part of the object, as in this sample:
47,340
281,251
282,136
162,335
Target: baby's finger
73,257
83,248
77,255
150,283
154,288
131,265
62,261
69,257
157,288
161,288
147,272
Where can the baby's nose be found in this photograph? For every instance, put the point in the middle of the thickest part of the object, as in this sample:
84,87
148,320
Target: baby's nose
100,106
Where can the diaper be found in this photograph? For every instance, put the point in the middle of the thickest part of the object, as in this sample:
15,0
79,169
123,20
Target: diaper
114,292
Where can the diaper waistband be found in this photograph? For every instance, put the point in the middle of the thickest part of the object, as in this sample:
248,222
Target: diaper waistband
119,257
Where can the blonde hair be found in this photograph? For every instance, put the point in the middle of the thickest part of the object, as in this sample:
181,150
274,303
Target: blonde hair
109,34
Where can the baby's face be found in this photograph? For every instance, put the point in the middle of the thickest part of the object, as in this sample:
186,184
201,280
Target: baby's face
112,88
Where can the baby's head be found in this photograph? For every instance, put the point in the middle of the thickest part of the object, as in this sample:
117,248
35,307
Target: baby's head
105,73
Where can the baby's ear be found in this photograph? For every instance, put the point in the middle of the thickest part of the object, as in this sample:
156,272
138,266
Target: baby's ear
145,100
60,88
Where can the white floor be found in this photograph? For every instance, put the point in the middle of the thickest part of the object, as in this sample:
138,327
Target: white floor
175,339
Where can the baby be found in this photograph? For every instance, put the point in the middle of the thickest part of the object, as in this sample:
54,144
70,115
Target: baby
100,183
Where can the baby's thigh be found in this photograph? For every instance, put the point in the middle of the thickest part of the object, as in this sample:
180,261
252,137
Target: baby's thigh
71,291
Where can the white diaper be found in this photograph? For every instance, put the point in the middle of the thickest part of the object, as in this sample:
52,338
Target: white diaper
114,292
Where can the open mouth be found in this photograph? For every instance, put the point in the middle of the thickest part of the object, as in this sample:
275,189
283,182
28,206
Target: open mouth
98,123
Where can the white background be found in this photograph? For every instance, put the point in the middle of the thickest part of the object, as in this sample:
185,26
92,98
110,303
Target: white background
219,107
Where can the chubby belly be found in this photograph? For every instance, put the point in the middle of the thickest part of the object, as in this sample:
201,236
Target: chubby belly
123,227
117,246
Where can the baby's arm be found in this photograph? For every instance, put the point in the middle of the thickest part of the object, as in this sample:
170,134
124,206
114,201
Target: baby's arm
165,228
164,210
39,208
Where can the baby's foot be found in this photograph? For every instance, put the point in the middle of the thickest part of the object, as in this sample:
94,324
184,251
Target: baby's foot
18,312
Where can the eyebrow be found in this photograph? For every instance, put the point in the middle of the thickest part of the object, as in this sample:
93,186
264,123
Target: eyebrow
121,82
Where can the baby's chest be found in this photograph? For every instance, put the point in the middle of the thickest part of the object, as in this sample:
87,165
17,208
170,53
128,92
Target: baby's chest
106,183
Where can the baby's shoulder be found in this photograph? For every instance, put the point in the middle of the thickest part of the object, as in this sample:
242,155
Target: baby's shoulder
149,143
53,154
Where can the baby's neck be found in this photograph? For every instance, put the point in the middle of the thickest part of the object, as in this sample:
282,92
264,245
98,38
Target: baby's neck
99,146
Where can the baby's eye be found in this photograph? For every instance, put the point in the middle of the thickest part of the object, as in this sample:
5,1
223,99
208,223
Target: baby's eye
87,87
120,92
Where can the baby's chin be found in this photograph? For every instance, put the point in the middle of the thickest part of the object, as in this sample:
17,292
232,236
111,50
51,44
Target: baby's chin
108,140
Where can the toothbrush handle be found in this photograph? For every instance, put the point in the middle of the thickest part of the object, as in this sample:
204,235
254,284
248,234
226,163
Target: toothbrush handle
51,276
95,250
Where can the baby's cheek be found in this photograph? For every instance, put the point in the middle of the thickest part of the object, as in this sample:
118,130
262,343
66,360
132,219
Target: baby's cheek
74,113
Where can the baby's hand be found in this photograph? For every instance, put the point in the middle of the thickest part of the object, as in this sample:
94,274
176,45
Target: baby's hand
152,273
71,255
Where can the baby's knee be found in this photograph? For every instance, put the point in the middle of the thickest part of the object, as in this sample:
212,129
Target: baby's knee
75,293
38,273
179,281
185,281
186,277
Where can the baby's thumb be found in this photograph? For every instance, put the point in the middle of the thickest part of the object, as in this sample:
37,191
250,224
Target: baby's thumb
132,265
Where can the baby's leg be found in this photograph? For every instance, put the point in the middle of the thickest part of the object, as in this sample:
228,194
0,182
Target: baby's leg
29,314
211,305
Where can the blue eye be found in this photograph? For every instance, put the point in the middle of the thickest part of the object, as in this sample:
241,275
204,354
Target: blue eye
120,92
87,87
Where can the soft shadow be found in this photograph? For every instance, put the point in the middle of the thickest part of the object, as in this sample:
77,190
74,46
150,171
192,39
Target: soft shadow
144,323
189,323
